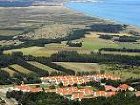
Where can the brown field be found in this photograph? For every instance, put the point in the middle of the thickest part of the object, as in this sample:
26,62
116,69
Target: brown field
20,69
11,72
80,67
42,66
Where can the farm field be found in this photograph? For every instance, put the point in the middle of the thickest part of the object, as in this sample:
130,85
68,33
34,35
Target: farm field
20,69
123,71
11,72
89,44
93,42
42,66
80,67
121,53
48,50
35,51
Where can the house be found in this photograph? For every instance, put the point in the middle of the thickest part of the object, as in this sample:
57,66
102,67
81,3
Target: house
77,96
110,88
66,80
137,93
87,91
74,92
125,87
27,88
66,91
104,94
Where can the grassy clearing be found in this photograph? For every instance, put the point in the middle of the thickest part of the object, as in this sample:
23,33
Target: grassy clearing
20,69
80,67
42,66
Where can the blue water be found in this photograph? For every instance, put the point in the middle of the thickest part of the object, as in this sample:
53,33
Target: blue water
15,3
124,11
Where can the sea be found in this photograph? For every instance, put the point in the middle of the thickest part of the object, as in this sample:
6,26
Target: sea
122,11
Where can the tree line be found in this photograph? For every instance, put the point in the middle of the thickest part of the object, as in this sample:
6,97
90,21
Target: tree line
42,98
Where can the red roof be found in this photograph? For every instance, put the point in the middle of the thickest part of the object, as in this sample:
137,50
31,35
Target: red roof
110,88
27,88
77,96
123,87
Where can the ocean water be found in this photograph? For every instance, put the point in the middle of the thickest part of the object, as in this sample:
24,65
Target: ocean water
123,11
15,3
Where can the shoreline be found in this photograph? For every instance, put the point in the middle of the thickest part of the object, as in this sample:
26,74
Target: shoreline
132,26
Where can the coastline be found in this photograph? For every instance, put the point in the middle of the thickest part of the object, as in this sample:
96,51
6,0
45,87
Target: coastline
103,19
130,26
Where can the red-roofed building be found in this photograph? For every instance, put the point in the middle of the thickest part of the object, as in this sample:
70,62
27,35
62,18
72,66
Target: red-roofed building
137,93
77,96
123,87
27,88
110,88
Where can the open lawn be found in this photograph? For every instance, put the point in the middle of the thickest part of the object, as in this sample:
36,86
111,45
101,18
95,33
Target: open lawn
80,67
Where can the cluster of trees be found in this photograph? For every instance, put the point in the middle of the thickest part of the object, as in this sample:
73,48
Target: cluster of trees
16,58
127,39
6,79
107,37
120,50
73,56
40,98
72,44
75,34
109,28
134,33
43,98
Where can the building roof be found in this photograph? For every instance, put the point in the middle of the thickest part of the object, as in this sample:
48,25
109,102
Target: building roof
27,88
110,88
123,87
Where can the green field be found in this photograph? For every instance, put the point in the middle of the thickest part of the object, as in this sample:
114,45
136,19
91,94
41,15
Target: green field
97,43
124,71
80,67
93,42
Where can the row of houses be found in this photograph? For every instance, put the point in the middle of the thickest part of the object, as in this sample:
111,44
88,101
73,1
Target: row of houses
71,91
71,80
74,93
